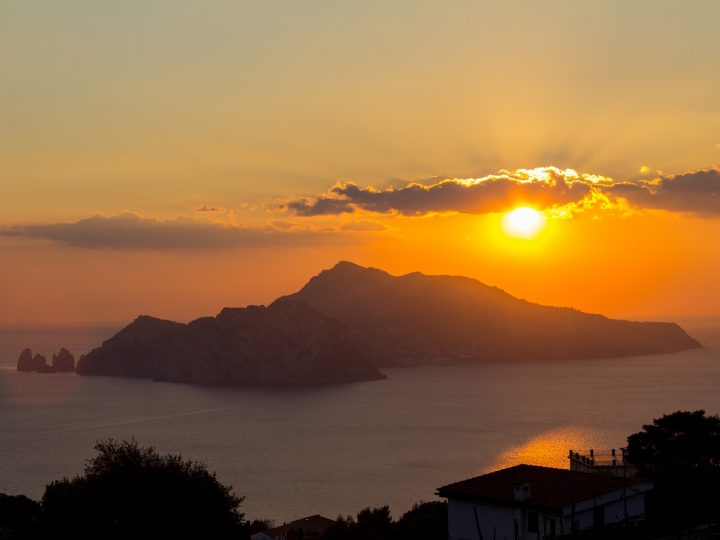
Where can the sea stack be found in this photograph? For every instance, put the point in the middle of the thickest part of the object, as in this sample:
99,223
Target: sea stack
28,362
40,363
63,361
25,362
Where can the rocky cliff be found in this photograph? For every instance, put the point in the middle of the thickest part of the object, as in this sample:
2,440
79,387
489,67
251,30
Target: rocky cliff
420,318
288,342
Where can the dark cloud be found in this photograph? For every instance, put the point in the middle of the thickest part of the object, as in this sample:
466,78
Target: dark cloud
206,208
131,231
320,206
545,187
479,196
639,195
696,192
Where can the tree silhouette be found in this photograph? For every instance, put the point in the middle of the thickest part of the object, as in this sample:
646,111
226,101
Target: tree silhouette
371,524
680,453
20,518
128,491
682,439
425,521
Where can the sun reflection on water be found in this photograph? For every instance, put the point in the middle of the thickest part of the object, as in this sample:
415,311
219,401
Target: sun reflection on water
549,449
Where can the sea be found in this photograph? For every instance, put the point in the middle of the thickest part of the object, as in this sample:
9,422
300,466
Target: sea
335,449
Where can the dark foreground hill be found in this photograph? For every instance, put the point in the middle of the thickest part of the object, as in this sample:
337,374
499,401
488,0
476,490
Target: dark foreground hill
420,318
284,343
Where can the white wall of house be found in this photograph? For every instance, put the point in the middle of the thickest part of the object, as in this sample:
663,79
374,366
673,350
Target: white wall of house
495,522
613,504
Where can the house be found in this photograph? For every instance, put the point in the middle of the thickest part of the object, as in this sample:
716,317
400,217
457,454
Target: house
301,529
527,502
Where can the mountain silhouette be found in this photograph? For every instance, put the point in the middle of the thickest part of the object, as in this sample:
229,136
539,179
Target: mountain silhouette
283,343
348,320
418,318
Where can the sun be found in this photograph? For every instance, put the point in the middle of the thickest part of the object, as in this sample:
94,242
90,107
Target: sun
523,222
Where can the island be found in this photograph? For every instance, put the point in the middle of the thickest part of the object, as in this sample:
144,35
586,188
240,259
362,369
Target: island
349,320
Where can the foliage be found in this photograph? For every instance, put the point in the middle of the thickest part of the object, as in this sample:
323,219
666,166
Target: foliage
426,521
128,491
372,523
20,518
682,439
259,525
680,453
342,529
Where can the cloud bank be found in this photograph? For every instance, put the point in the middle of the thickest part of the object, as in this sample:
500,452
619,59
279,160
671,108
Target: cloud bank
131,231
696,192
544,187
564,192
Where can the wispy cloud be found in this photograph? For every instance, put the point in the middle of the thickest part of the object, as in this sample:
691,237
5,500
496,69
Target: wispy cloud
131,231
363,226
544,187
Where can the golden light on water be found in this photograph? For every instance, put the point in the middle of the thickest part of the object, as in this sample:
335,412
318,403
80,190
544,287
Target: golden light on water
550,449
523,222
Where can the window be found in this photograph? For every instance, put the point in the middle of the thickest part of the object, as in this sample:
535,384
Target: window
533,523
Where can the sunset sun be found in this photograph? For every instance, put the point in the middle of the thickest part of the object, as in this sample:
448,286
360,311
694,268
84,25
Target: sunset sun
523,222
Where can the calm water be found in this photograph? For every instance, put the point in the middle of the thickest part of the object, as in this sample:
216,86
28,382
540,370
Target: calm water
336,449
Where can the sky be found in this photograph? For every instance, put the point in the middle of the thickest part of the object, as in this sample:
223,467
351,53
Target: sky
171,158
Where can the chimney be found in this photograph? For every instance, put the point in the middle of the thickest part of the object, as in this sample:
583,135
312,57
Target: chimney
522,491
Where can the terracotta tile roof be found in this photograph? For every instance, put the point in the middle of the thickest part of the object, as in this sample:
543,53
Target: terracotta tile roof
549,488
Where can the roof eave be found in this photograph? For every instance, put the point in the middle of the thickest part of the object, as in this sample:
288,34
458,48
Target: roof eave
527,505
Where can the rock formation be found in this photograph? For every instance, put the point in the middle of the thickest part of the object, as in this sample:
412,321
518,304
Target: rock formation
288,342
40,363
27,362
63,361
45,368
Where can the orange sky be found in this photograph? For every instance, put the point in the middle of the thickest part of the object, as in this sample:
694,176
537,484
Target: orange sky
172,160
